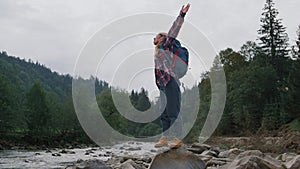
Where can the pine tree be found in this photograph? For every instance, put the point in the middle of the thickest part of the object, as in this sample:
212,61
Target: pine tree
273,37
5,106
143,102
296,47
37,110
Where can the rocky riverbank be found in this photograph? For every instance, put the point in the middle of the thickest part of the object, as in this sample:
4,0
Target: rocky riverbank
274,152
142,155
195,156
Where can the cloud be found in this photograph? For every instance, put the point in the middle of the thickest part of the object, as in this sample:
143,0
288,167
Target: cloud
53,32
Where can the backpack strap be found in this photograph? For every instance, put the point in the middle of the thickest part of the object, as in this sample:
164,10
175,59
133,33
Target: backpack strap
174,59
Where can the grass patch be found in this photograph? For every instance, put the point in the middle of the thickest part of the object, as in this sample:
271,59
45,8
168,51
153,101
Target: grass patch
295,124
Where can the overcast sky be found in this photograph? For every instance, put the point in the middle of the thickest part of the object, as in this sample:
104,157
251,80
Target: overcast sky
53,32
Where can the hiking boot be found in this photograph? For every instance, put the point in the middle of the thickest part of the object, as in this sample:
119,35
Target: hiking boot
163,141
176,143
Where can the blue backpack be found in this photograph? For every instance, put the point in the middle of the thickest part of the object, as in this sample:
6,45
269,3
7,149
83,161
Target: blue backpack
180,59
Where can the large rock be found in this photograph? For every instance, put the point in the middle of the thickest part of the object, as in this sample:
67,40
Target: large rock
232,153
130,164
294,163
285,157
177,159
254,159
198,148
89,164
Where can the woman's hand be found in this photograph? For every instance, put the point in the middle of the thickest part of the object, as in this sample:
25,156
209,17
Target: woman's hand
185,9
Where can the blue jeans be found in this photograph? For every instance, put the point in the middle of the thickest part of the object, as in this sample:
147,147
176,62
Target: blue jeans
171,114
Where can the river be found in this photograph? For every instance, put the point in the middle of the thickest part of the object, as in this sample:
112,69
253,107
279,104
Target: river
57,158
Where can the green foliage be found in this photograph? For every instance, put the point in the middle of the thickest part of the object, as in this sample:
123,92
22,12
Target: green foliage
295,124
296,47
5,106
37,111
274,39
119,122
35,99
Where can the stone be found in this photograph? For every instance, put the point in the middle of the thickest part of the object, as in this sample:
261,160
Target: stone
134,149
153,151
66,152
147,159
210,153
254,159
215,162
285,157
48,151
198,148
130,164
197,145
79,160
56,154
294,163
89,164
177,159
232,153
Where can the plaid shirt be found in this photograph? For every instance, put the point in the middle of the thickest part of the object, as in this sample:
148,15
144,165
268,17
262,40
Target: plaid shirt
163,69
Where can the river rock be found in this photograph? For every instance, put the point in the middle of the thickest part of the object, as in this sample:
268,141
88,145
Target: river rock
56,154
67,152
177,159
285,157
210,153
130,164
294,163
89,164
48,151
198,148
232,153
254,159
134,149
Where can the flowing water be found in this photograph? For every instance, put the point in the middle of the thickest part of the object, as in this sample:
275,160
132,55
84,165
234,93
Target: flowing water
42,159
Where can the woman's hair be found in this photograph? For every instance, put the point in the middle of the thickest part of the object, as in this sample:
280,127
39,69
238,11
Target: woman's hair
163,35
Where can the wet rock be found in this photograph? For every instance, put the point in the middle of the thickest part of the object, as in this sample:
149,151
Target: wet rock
89,164
177,159
199,148
215,162
204,158
79,161
232,153
66,152
56,154
130,164
254,159
294,163
134,149
108,152
48,151
153,151
147,159
210,153
285,157
197,145
89,151
104,155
